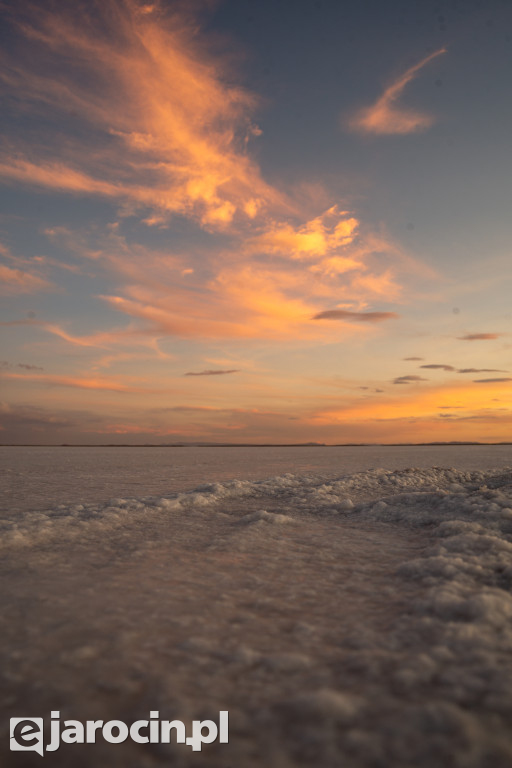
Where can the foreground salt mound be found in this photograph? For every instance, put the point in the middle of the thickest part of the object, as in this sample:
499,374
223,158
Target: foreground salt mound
361,621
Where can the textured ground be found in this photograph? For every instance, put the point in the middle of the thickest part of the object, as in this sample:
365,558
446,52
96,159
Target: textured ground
364,621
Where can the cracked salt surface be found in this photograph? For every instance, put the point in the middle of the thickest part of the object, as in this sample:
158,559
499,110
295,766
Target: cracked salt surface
359,620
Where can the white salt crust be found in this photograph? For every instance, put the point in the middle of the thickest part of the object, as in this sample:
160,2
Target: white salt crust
430,686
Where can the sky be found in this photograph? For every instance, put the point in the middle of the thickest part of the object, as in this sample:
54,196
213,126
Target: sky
246,221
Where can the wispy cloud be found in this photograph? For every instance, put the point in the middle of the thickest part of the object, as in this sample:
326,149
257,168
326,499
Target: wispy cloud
166,132
386,116
172,130
77,382
48,261
413,358
251,299
136,339
489,381
211,373
14,281
247,294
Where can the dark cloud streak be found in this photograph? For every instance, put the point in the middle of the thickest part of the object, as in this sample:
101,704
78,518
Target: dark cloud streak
489,381
481,370
479,336
211,373
9,366
358,317
439,366
408,379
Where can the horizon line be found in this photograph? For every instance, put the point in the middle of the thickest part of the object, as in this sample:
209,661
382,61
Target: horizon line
453,443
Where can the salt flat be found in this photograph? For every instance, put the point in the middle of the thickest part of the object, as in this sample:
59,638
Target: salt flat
363,620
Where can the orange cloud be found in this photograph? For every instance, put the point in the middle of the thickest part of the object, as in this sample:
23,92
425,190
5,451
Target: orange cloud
332,230
123,337
245,294
170,137
249,295
386,117
77,382
173,131
56,176
14,281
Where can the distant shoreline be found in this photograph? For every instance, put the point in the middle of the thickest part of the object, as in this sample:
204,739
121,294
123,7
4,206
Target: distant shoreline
452,444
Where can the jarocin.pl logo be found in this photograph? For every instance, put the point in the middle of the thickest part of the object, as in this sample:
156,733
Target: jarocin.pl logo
27,733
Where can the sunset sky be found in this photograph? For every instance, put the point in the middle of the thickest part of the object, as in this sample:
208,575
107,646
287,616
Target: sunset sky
247,221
